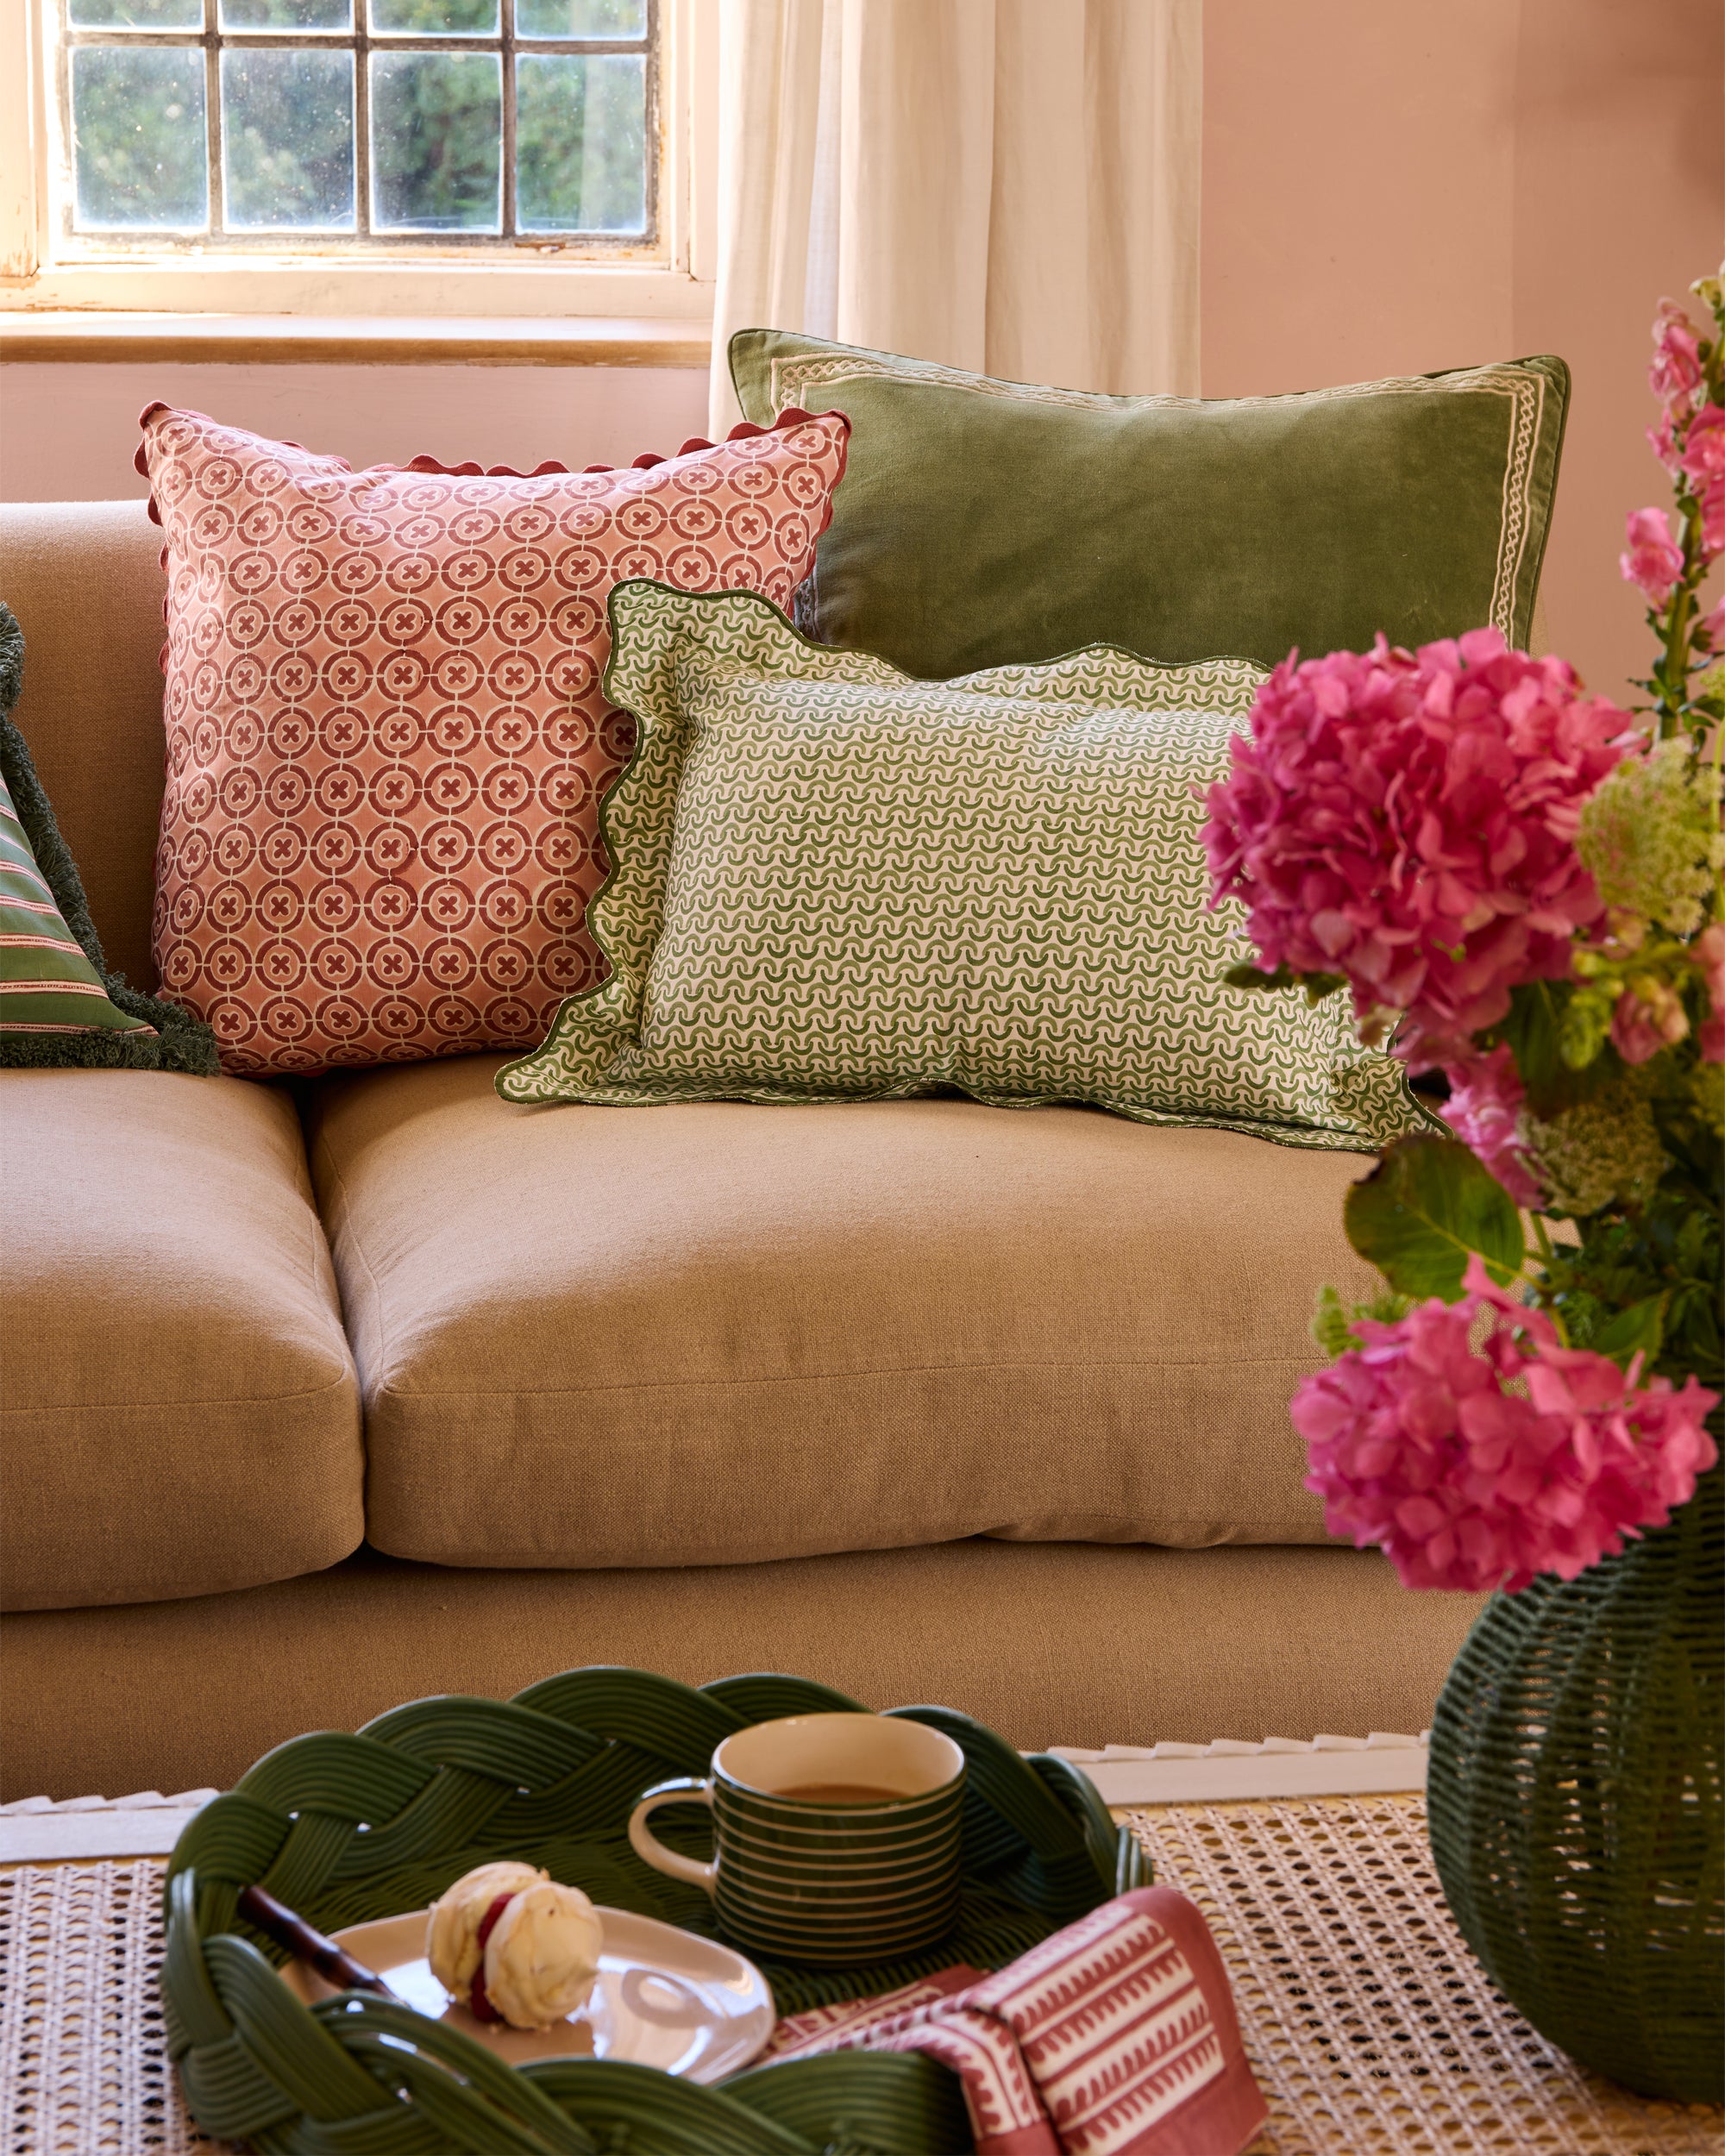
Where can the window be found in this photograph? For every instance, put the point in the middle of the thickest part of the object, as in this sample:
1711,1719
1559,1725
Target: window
354,157
377,121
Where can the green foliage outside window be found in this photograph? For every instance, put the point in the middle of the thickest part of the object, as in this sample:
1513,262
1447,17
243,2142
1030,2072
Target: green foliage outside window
289,122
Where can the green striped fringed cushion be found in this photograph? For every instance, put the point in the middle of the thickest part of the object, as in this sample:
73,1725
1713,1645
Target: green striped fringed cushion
343,1828
58,1004
47,984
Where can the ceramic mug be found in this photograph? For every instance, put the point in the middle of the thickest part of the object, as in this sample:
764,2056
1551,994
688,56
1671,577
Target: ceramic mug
834,1837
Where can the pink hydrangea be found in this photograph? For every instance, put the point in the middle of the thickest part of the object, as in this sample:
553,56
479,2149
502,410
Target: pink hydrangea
1484,1110
1479,1462
1407,821
1676,372
1654,561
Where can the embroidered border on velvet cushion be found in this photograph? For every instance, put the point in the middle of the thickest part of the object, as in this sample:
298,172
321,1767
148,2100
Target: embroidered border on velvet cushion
834,882
386,737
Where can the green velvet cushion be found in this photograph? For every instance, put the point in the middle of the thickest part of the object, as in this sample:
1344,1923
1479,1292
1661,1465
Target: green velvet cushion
58,1006
982,523
834,882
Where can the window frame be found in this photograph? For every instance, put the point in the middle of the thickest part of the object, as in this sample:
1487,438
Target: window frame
41,269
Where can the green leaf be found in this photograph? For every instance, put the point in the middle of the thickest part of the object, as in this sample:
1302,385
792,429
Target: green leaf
1642,1326
1425,1209
1551,1032
1330,1324
1586,1022
1334,1320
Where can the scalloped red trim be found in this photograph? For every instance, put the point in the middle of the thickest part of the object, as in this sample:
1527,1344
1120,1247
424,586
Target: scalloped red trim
744,430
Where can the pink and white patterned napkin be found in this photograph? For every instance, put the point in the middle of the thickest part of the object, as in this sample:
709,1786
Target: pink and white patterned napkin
1115,2037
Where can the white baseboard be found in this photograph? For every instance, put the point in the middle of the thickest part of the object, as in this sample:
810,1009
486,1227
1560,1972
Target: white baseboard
1382,1765
85,1829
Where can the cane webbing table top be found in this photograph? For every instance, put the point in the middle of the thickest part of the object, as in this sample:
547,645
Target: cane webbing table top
1370,2029
1369,2025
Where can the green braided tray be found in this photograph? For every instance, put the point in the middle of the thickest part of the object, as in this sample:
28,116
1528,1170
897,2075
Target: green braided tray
343,1828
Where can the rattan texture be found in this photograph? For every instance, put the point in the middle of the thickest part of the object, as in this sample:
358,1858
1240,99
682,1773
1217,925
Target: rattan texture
1370,2028
1576,1783
346,1828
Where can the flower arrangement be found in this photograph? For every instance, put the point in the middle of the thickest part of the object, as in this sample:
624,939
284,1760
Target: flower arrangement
1522,887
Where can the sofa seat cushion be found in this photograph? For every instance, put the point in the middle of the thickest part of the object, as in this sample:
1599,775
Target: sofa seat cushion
180,1414
715,1332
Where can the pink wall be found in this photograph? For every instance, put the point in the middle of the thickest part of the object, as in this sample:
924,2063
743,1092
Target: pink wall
1620,199
69,432
1387,188
1393,188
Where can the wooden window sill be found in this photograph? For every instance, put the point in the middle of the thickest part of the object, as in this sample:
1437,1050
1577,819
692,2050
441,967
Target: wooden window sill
352,340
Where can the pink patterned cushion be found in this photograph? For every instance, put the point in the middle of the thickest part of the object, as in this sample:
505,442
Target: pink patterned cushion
386,744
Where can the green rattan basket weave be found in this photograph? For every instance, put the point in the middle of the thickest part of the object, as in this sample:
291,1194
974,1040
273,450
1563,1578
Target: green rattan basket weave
1575,1799
343,1828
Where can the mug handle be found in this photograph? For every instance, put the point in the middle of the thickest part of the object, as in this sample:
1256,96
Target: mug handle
686,1791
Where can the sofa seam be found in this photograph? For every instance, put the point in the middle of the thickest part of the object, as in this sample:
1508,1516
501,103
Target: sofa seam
821,1378
1276,1530
229,1400
322,1147
321,1278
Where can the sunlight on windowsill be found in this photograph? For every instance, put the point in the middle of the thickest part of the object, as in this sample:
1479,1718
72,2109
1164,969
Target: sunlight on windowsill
60,336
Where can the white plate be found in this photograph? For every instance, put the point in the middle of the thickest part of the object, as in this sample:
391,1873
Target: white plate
663,1997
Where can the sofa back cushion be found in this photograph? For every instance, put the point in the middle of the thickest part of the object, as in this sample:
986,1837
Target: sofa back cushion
84,579
986,523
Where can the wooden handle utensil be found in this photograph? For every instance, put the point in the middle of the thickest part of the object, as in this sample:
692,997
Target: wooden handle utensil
333,1963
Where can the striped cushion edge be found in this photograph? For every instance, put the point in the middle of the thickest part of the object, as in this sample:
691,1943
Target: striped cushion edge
47,984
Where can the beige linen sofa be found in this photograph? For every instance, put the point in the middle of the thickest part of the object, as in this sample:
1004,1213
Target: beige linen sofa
320,1397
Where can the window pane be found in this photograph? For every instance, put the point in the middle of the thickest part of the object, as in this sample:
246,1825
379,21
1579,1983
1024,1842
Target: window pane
580,142
135,14
435,18
436,141
137,119
580,18
287,141
287,15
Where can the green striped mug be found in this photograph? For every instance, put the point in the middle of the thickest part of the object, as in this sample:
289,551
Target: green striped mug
834,1837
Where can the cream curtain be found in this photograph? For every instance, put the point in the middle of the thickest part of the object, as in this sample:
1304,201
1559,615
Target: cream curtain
1008,186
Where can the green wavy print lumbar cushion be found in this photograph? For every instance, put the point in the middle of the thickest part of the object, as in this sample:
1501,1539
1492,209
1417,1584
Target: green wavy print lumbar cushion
57,1006
833,882
983,522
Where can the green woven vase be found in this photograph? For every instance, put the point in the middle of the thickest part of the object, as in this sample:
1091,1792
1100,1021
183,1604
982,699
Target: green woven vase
1574,1795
